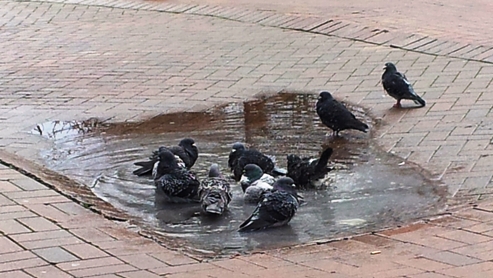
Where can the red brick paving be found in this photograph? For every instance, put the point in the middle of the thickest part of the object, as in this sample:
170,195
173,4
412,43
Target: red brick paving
118,60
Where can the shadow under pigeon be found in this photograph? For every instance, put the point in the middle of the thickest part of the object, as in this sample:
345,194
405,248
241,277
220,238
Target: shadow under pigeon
368,189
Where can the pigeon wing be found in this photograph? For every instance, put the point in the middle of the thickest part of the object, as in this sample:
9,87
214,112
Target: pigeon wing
180,184
252,157
275,209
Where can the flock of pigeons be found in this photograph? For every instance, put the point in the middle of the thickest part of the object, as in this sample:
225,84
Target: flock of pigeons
274,190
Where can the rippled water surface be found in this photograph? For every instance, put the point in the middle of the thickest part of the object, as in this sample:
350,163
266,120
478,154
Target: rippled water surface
369,190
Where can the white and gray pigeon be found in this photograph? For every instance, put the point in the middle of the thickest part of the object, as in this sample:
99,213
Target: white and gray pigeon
215,192
178,184
255,183
276,209
398,87
336,116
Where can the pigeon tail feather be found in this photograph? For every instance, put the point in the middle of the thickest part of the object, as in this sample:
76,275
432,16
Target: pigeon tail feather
251,225
146,168
324,159
420,101
277,171
360,126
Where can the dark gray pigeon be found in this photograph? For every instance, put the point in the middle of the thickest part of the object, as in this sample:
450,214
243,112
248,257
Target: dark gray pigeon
240,156
215,192
276,209
186,152
178,184
336,116
307,172
397,86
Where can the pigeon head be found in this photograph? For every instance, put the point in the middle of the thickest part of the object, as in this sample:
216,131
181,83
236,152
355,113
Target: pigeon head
235,153
390,67
285,184
164,154
324,96
189,145
166,162
253,172
214,171
238,147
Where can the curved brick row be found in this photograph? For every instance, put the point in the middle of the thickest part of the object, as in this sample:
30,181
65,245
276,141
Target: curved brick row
318,25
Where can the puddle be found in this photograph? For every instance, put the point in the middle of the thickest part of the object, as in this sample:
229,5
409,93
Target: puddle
375,190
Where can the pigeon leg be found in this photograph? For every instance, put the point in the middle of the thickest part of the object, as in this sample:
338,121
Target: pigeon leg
398,104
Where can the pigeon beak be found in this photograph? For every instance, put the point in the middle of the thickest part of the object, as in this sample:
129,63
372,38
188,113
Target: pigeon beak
244,179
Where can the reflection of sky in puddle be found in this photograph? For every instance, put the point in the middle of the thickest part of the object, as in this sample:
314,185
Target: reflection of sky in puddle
376,191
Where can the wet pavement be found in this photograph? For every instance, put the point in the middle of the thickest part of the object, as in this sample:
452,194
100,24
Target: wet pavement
127,60
368,189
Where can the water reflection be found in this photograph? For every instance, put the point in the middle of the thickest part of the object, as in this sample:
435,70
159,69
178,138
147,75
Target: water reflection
373,190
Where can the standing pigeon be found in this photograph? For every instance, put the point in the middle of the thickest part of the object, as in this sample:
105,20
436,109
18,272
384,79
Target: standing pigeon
276,209
214,192
336,116
308,171
397,86
240,156
186,151
178,184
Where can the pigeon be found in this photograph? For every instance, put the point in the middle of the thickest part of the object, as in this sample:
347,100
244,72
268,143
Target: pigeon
214,192
255,192
178,184
397,86
186,151
276,209
308,171
336,116
252,173
240,156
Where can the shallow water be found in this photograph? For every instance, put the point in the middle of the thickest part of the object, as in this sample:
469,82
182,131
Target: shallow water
374,190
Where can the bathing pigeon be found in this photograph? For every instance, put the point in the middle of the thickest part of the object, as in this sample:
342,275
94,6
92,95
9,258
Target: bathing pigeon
178,184
186,151
397,86
214,192
277,208
255,192
308,171
336,116
241,156
253,173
